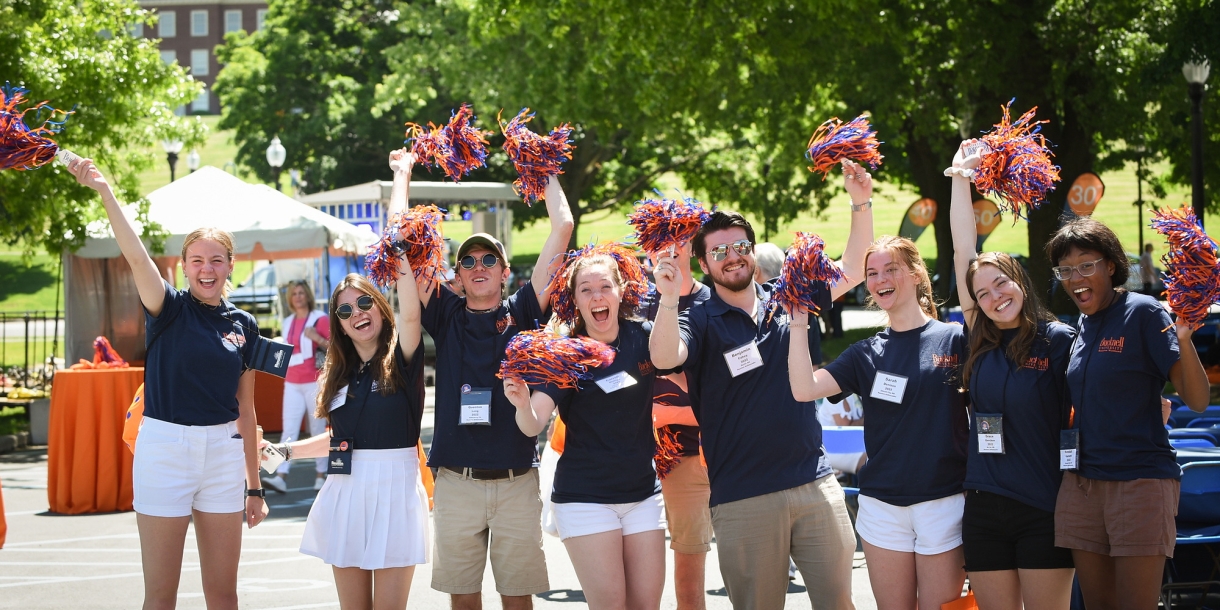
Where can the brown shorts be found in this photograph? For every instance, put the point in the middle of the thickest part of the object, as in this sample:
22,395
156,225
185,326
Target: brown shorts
1117,518
687,492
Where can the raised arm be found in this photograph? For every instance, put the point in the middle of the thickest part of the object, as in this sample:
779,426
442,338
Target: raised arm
410,310
807,384
961,220
560,215
666,347
401,162
859,185
148,280
533,411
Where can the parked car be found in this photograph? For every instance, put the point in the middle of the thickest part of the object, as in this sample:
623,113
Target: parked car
259,294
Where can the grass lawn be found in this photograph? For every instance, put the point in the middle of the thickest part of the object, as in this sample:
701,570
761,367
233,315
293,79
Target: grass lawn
12,349
28,287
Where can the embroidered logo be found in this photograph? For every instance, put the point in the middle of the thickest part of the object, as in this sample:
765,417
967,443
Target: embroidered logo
1112,345
235,339
375,386
947,361
646,367
1038,364
502,324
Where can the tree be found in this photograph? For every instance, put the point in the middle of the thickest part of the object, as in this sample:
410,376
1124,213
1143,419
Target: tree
78,55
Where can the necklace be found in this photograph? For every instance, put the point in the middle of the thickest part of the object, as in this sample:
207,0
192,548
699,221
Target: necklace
488,310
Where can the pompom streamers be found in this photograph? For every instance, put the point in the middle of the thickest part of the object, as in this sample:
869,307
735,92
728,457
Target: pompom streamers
415,233
1192,280
635,280
805,269
1016,168
536,157
458,147
104,352
835,141
539,357
662,223
668,452
23,147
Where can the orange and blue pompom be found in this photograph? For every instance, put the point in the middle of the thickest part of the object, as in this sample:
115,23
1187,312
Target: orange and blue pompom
536,157
457,147
1017,167
806,272
540,357
835,141
1192,278
23,147
415,234
662,223
668,453
635,280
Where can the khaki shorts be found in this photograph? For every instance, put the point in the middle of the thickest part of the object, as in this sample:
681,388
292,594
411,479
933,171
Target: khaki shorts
470,516
687,493
1117,518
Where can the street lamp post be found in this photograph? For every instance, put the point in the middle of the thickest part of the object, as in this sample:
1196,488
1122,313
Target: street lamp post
192,161
275,158
172,148
1196,74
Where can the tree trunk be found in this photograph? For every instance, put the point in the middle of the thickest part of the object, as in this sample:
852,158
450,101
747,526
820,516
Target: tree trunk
928,159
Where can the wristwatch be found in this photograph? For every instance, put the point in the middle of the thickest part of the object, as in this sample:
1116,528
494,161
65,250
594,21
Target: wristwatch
256,493
863,206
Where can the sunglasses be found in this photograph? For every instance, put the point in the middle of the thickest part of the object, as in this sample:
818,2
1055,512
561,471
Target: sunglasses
345,310
488,261
741,246
1064,272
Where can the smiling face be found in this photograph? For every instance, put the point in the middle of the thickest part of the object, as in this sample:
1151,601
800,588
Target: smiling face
482,285
598,296
207,265
888,280
998,296
364,327
1095,292
736,271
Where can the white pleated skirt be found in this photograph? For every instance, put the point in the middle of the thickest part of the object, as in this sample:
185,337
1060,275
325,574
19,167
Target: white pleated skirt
374,518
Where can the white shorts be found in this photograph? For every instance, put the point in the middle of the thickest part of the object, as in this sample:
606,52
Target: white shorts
845,462
927,528
582,518
182,468
374,518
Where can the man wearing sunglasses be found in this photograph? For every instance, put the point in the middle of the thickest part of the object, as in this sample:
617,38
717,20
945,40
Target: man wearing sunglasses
772,493
487,496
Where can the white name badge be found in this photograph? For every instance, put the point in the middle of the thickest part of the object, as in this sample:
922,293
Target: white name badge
743,359
339,400
889,387
991,443
476,407
1069,459
616,382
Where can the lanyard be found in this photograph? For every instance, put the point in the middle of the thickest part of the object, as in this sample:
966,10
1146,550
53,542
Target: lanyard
360,414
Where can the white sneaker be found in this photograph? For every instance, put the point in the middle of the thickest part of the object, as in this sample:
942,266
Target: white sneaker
277,483
317,483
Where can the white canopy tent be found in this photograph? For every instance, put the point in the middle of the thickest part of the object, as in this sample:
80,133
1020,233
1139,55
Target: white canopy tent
99,291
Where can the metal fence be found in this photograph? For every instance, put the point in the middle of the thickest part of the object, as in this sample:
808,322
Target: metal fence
29,343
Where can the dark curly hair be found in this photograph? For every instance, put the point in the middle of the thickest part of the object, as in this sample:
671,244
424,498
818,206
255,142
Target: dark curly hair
1089,234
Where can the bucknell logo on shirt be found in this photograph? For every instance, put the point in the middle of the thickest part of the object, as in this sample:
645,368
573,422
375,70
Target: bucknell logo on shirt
502,324
947,361
646,367
235,339
1112,345
1038,364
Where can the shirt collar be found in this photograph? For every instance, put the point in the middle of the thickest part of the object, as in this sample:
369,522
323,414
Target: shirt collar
717,307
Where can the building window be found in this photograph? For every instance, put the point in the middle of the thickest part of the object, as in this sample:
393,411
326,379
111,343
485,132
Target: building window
136,30
260,17
199,62
232,21
167,25
169,57
203,103
199,23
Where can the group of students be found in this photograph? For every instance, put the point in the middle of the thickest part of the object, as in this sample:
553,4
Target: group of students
1014,448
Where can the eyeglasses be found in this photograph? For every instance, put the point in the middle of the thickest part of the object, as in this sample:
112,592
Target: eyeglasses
1064,272
345,310
742,246
488,261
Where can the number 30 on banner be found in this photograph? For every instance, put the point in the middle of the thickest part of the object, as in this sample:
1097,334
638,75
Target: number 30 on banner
1085,193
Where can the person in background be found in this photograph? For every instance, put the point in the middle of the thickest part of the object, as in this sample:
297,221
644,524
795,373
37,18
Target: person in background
845,412
308,330
1147,270
770,259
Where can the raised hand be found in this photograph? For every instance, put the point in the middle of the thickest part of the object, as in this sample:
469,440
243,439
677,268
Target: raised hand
402,160
88,174
857,181
517,393
667,275
969,154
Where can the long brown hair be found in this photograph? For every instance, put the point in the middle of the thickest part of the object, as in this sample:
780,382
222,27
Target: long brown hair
341,356
907,253
985,335
624,312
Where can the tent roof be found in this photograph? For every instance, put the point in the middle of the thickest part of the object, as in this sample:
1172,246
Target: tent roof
379,190
264,222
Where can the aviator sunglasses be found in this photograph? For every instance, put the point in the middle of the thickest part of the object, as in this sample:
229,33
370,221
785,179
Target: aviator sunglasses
741,246
488,261
345,310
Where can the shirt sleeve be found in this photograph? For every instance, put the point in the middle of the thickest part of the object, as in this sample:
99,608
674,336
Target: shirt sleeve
557,394
1160,345
440,308
690,331
525,308
249,327
170,309
846,370
1062,337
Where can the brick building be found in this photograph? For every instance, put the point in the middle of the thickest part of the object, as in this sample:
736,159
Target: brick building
190,30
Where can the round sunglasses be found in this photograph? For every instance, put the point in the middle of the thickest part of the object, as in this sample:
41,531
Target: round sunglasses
345,311
488,261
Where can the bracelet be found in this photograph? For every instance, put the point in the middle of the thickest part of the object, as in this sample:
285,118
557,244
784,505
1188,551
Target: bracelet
666,307
960,171
798,326
287,451
256,493
863,206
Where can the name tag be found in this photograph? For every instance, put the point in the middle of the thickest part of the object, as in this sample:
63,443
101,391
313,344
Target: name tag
476,407
616,382
743,359
339,400
1069,449
889,387
991,433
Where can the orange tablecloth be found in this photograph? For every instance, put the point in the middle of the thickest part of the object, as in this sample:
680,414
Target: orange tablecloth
88,466
269,401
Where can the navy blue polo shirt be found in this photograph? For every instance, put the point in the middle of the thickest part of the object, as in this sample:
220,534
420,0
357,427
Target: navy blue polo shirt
1117,371
607,454
667,392
1033,400
196,361
375,420
916,448
757,438
469,348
